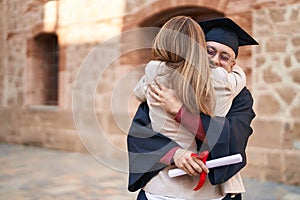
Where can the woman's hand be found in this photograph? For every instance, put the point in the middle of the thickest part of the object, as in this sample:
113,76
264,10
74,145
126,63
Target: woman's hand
165,98
193,166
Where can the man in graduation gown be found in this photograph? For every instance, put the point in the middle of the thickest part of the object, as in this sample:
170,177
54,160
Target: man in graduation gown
224,136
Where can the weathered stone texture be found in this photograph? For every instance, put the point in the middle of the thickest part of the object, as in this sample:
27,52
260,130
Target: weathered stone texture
276,44
297,55
276,92
267,104
288,61
257,163
292,136
296,109
296,41
270,76
277,15
275,167
132,5
292,160
260,61
289,96
267,134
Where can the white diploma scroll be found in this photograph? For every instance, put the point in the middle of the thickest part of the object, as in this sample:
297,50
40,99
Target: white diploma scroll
227,160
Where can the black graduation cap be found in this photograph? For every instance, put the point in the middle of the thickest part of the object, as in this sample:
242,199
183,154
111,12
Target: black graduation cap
226,31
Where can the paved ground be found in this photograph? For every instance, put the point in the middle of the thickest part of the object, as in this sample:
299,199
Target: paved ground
30,173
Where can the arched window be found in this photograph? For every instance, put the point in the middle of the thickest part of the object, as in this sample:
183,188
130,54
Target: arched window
43,54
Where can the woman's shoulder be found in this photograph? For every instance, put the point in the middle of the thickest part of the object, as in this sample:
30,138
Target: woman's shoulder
153,65
219,75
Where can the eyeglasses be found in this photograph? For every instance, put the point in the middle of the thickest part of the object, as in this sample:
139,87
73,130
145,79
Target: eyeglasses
223,56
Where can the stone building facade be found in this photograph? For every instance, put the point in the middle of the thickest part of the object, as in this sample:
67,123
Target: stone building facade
67,70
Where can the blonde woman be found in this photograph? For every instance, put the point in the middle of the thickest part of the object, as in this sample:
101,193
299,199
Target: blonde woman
180,61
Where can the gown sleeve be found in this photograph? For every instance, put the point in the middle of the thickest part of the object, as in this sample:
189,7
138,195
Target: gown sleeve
229,135
145,149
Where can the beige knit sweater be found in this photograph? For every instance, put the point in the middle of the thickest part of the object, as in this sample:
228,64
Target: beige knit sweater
227,86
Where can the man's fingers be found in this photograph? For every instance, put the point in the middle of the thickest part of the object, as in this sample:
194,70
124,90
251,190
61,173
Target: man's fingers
196,167
186,170
202,165
190,170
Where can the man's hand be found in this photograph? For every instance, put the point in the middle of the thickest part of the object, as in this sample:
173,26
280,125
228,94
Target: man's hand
193,166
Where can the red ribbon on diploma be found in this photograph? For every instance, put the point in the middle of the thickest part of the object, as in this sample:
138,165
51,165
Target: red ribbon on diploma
203,157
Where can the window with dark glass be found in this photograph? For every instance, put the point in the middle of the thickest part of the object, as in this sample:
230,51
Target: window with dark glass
43,53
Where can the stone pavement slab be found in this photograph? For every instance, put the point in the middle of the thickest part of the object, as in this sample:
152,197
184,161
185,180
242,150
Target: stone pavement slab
264,190
31,173
35,173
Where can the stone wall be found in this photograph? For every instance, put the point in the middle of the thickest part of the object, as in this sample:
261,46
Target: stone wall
274,152
88,37
79,31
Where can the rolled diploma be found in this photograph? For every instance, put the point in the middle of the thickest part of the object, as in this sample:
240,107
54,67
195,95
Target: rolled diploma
227,160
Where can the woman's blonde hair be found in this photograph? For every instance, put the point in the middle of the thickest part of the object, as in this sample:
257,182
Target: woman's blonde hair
181,45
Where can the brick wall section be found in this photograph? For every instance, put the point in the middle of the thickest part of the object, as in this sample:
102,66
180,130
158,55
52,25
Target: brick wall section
274,147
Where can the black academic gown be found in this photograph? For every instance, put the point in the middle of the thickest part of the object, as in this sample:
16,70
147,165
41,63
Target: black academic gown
146,147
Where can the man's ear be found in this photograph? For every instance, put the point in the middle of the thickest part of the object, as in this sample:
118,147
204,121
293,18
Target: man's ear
232,64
